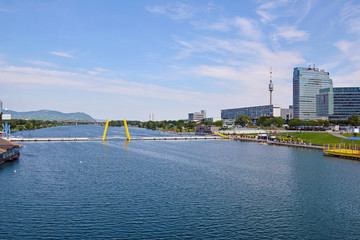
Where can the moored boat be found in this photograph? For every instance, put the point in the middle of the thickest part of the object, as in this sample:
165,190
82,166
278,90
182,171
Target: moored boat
9,151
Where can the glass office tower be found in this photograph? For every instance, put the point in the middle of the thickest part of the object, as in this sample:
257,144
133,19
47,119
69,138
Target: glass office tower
338,103
306,85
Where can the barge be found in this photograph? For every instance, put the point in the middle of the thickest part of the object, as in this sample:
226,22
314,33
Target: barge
9,151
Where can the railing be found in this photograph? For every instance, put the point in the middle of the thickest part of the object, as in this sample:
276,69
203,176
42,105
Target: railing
342,150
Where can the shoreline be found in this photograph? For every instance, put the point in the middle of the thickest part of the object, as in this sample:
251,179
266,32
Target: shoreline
244,139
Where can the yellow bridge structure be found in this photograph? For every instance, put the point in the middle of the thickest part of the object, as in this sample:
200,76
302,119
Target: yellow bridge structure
342,150
221,135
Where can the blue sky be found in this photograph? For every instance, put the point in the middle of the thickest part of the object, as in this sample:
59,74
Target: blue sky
125,59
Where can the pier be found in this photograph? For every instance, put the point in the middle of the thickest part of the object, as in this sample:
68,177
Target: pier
84,139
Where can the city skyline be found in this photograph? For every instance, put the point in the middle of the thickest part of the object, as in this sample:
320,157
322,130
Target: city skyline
125,59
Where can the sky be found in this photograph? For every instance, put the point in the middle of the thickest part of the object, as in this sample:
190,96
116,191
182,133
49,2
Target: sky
127,59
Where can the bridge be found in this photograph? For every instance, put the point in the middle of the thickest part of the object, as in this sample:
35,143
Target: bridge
84,122
85,139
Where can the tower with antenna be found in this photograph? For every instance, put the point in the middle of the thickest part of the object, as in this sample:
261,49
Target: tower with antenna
271,86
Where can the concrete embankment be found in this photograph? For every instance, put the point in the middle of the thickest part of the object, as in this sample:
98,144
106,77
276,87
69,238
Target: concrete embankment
288,144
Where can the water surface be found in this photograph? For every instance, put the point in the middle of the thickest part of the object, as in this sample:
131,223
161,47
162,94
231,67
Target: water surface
213,189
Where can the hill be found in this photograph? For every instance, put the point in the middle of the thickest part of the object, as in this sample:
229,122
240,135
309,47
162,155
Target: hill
51,116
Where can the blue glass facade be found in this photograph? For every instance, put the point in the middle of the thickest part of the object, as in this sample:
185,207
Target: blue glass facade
338,103
307,83
253,112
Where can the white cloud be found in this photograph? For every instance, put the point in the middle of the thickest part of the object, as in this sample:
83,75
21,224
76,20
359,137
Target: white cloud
177,11
350,16
101,69
275,9
290,34
40,63
265,11
62,54
344,46
245,27
29,77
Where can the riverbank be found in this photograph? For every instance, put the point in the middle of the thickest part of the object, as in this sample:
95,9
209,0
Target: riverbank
287,144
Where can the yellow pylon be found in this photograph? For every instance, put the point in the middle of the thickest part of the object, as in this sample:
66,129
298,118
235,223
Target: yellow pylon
127,130
106,127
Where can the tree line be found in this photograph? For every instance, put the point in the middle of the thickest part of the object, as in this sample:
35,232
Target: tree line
21,124
244,120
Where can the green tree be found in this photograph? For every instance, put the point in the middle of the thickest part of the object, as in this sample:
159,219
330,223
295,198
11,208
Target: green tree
354,120
311,123
29,125
243,120
208,122
324,123
218,123
261,121
295,123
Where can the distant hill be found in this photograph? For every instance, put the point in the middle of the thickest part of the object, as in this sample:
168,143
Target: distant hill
51,116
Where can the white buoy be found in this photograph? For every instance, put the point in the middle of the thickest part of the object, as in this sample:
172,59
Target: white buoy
14,171
80,161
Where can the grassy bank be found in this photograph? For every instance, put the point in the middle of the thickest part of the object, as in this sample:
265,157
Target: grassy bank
319,138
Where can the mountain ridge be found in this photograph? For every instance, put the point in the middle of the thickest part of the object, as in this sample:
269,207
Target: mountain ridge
51,115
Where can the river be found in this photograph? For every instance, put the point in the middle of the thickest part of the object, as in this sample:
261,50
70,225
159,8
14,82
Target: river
212,189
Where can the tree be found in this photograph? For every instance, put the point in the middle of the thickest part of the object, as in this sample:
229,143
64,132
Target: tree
293,123
243,120
208,122
218,123
354,120
311,123
261,121
324,123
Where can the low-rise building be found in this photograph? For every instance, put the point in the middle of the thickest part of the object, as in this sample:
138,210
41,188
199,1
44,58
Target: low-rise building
196,117
253,112
206,128
287,113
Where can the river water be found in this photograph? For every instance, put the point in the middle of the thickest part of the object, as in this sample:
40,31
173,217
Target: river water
214,189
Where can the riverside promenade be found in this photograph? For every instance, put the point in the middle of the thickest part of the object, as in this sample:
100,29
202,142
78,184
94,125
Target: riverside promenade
288,144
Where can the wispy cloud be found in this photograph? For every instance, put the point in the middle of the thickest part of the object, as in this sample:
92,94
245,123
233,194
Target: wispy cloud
344,46
62,54
36,77
275,9
101,69
245,68
350,15
245,27
40,63
290,34
177,11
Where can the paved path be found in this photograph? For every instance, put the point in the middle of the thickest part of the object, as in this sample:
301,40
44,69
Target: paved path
336,134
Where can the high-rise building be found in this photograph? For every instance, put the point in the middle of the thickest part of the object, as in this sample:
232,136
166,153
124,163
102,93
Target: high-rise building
203,113
151,117
306,85
338,103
